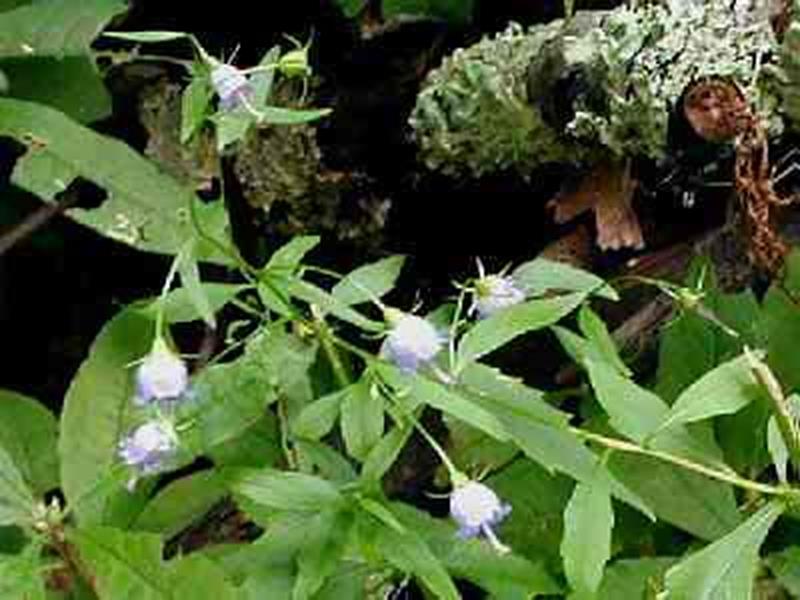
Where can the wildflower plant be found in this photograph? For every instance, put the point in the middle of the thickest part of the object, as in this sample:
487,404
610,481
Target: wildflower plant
280,478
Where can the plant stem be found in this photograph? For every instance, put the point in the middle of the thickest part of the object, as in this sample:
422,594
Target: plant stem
625,446
340,370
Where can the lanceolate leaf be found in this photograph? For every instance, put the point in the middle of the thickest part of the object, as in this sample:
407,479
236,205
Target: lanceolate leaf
145,208
489,334
286,490
369,282
725,390
725,569
542,275
586,547
362,420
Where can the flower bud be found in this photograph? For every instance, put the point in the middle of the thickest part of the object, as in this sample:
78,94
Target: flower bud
162,375
412,341
476,509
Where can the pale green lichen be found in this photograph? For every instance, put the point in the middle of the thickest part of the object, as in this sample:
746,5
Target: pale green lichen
478,114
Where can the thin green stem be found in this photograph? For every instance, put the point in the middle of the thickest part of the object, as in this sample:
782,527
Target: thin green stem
340,370
625,446
162,299
454,326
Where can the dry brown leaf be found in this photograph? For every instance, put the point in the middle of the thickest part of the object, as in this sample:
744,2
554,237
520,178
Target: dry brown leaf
608,190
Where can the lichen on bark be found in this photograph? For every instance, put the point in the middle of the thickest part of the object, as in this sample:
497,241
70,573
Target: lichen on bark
600,85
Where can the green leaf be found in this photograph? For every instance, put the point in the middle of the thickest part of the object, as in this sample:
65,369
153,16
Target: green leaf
407,552
180,308
145,208
541,275
21,574
540,431
782,323
369,281
311,294
586,547
190,280
725,569
598,336
323,550
325,461
99,401
503,576
17,503
257,446
785,565
384,454
29,432
199,578
318,418
362,420
690,501
286,259
71,85
55,28
637,414
286,490
725,390
180,503
122,565
455,11
445,399
633,578
777,449
350,8
147,36
275,115
195,101
490,334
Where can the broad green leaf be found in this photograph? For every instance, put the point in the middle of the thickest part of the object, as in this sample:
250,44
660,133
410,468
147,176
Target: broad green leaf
122,564
145,208
637,414
540,432
369,281
190,280
17,502
257,446
724,390
318,418
541,275
633,578
492,333
199,578
29,432
275,115
725,569
71,85
21,575
56,27
690,501
286,490
407,552
99,401
785,565
317,561
286,259
503,576
586,547
362,420
180,503
445,399
598,336
147,36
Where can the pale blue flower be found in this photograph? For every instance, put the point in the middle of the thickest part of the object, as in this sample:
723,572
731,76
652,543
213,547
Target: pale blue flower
476,509
232,86
148,448
495,292
412,341
162,375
